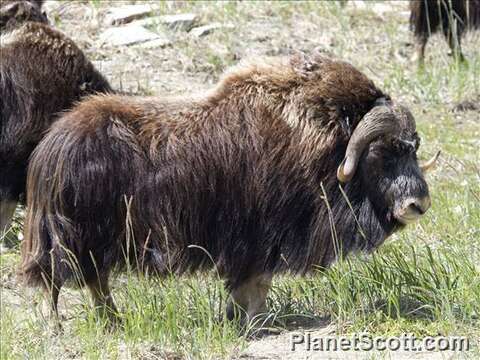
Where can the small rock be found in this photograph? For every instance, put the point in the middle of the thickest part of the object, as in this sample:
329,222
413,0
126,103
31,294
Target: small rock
378,8
127,35
205,30
467,105
157,43
183,22
127,13
381,8
180,22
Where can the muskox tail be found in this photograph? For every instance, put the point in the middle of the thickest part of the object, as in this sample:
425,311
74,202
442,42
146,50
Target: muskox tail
80,180
49,235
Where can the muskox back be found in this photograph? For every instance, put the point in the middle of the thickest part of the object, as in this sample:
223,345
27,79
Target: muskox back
42,73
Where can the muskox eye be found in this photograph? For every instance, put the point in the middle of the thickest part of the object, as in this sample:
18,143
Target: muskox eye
388,162
402,147
396,145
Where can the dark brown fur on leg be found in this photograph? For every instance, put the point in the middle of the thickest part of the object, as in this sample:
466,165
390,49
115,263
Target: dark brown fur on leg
102,298
454,42
249,299
419,54
52,291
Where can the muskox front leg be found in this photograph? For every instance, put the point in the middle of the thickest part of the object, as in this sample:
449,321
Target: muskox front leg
102,297
249,299
419,53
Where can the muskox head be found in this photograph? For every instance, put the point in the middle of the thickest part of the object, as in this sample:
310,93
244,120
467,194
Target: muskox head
15,12
382,155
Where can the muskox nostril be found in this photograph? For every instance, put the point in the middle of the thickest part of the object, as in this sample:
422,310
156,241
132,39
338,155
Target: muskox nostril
419,205
415,208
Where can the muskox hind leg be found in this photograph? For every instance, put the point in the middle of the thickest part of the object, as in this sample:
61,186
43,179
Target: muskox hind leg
102,297
52,292
249,299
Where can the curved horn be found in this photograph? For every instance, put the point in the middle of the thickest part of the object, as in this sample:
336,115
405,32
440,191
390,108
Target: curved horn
430,164
378,121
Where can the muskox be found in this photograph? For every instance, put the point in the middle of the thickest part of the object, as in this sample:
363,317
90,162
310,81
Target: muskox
42,73
452,17
285,165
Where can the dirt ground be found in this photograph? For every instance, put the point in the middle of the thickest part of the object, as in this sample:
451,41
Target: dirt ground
191,64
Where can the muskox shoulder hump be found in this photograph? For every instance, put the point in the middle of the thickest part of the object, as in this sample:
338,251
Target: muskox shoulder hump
251,73
329,77
45,37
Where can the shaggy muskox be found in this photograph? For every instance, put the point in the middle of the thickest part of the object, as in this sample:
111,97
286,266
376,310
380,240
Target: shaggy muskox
42,72
285,165
452,17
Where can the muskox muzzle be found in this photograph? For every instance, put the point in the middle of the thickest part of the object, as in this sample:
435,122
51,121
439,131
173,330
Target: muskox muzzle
412,208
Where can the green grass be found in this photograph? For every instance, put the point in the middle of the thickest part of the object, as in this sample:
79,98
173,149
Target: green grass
424,280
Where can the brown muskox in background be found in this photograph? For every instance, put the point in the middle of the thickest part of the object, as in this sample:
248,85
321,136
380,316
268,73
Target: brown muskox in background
42,72
452,17
14,13
245,179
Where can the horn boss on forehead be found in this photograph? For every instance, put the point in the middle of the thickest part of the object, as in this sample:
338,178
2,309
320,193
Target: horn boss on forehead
381,120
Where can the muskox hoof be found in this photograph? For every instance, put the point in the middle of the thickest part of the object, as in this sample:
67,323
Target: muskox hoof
54,325
109,318
258,333
235,312
255,324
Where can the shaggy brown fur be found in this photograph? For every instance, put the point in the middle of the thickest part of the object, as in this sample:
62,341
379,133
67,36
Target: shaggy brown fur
452,17
42,73
244,177
14,13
